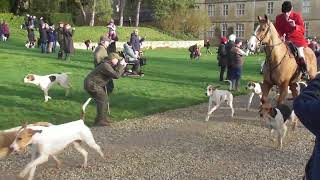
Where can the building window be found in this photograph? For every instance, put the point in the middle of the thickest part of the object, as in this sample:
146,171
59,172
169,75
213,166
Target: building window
224,30
306,6
240,30
240,9
210,10
211,31
306,27
270,8
225,10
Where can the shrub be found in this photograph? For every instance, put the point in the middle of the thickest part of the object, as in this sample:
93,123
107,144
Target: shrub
11,19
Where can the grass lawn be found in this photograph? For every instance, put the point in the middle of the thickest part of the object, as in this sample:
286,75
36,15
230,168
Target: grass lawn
170,82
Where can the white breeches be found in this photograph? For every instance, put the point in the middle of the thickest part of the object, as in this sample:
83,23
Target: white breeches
300,52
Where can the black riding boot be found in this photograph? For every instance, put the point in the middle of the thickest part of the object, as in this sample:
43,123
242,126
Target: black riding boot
303,69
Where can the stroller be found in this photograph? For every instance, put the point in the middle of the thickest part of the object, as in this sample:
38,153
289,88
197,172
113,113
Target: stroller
142,61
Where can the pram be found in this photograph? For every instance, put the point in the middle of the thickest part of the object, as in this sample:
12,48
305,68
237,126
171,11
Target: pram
130,71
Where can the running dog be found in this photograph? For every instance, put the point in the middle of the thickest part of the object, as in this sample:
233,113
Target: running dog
218,97
7,137
45,82
276,119
49,141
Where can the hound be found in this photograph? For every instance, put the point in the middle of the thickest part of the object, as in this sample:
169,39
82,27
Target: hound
45,82
276,119
218,97
49,141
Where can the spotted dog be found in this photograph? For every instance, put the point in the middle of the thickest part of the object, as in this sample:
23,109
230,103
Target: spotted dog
47,81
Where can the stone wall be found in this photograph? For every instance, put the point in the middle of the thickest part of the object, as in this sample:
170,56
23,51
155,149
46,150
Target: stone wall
152,44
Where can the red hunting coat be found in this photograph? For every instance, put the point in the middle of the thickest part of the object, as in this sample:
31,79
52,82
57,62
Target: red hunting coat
293,34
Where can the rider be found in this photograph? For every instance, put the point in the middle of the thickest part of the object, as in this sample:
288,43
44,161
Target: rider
290,26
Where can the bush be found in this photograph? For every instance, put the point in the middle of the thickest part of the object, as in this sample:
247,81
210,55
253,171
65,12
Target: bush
189,22
11,19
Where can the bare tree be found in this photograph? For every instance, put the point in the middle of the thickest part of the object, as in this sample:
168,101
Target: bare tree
122,5
138,12
93,13
83,12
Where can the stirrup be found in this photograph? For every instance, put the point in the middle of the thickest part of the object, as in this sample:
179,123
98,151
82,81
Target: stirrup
305,76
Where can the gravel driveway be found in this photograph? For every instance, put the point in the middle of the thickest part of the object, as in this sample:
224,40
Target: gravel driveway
178,144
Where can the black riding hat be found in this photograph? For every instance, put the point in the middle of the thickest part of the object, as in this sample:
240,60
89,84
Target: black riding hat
286,6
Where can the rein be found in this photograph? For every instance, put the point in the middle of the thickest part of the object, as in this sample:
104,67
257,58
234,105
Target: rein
272,46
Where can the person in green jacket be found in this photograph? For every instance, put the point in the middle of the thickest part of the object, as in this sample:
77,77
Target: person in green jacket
96,81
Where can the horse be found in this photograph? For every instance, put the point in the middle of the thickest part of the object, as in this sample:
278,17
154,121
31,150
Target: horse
280,67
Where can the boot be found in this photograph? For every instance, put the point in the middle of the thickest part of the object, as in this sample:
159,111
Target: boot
237,85
303,69
102,122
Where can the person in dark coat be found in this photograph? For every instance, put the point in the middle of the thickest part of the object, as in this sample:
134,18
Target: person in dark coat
236,64
207,46
31,36
43,38
229,45
68,41
51,39
97,80
60,39
222,57
306,106
136,41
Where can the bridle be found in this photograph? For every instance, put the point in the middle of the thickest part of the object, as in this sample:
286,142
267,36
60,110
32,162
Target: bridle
264,36
272,46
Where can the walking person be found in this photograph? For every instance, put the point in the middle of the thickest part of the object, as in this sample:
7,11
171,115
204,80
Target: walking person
222,57
207,45
236,64
96,81
5,29
50,39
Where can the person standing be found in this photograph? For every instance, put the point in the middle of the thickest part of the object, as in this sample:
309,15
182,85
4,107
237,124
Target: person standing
100,53
60,38
50,39
43,38
229,46
5,29
136,41
222,57
68,41
290,27
236,64
96,81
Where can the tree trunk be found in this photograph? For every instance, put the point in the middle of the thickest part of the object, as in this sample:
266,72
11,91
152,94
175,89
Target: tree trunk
93,13
122,5
138,13
83,12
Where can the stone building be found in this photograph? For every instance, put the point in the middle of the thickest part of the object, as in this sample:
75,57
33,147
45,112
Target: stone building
240,16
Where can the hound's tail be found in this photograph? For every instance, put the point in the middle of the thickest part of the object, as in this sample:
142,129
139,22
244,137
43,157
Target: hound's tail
83,110
230,84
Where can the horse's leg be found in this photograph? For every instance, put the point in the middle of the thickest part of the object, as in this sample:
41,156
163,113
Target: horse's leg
283,92
293,87
265,87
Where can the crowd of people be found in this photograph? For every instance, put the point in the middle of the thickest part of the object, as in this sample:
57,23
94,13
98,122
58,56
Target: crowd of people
49,36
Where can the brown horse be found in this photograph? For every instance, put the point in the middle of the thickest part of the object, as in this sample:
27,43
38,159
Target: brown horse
280,68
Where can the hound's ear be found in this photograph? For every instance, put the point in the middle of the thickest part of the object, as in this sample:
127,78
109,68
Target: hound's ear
24,124
266,18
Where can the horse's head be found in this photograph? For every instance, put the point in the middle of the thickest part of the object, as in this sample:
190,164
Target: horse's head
261,35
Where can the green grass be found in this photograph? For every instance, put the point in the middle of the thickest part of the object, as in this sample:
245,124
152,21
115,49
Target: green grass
170,82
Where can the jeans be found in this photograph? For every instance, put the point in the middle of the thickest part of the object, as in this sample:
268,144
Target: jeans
43,47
